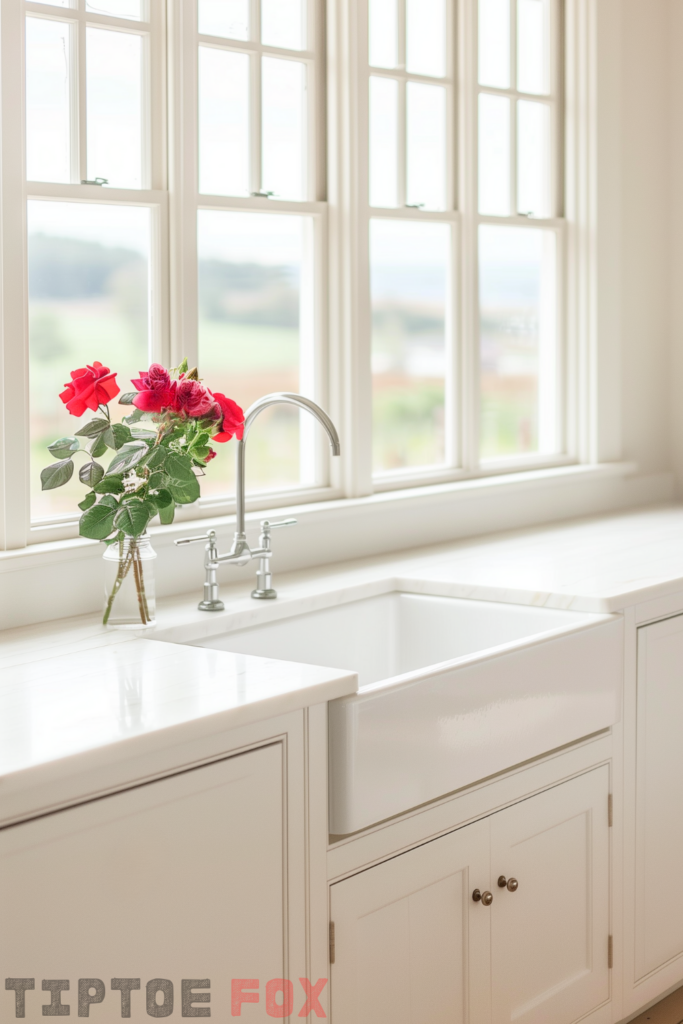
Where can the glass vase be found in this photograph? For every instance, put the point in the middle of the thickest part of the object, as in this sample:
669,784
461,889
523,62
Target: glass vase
129,583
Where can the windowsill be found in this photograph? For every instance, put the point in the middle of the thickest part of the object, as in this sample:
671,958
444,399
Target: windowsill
62,578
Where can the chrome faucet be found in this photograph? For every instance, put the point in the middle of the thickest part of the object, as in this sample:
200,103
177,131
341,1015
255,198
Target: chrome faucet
240,553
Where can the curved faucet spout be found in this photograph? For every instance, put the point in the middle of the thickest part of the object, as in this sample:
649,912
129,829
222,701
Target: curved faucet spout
277,398
287,398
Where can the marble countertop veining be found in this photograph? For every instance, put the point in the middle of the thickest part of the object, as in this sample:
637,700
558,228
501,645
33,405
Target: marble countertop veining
70,688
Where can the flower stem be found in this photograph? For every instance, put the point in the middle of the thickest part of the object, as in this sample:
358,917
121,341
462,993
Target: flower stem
121,573
139,582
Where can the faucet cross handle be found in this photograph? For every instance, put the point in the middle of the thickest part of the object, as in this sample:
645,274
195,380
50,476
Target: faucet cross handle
264,581
267,524
211,602
210,536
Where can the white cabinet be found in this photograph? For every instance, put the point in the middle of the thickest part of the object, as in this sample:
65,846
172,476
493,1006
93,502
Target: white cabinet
549,939
659,801
411,945
181,878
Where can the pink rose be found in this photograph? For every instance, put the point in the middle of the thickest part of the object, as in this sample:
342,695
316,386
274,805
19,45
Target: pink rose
89,387
232,420
193,399
156,389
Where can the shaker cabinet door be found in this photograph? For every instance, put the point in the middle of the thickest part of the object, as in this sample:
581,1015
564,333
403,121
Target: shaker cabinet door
659,801
411,947
181,878
549,942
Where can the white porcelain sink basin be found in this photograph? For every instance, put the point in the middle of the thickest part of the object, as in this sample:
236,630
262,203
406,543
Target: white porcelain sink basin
451,691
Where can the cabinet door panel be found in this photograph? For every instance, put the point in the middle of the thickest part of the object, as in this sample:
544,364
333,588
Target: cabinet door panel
659,796
180,878
406,931
549,938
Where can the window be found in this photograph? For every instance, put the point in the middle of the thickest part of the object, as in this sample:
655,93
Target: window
201,181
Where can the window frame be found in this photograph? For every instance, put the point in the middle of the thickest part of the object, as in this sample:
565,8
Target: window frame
339,209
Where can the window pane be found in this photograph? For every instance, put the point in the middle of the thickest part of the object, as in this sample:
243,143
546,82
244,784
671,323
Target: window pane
116,8
114,103
48,102
58,3
383,142
494,43
409,269
383,26
228,18
252,335
533,158
533,23
88,272
283,94
282,23
223,122
426,37
426,109
518,341
494,155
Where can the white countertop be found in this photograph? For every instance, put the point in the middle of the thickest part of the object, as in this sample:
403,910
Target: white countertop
70,688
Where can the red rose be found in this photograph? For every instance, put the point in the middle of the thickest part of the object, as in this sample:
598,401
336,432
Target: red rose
157,390
89,387
212,455
232,420
193,399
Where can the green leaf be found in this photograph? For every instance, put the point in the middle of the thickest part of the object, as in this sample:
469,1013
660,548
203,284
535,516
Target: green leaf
64,446
142,434
201,453
166,514
201,439
110,501
132,518
88,501
127,398
112,483
184,492
134,417
156,457
182,368
97,446
162,499
98,522
56,475
157,481
117,435
128,457
90,474
178,467
93,429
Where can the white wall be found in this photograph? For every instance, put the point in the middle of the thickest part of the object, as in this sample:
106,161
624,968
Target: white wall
675,224
646,226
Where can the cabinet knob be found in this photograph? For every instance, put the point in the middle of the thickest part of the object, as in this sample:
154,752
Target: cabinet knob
511,884
485,897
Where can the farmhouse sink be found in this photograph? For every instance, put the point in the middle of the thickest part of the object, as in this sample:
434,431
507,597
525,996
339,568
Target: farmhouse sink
450,691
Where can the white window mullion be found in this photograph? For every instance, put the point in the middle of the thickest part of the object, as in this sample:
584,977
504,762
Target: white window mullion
514,198
79,128
468,172
182,78
349,317
402,146
14,410
255,111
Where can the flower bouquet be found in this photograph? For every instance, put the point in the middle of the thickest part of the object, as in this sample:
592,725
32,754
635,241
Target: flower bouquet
160,450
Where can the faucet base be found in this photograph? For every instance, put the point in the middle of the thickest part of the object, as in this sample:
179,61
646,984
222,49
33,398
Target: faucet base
264,595
211,606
